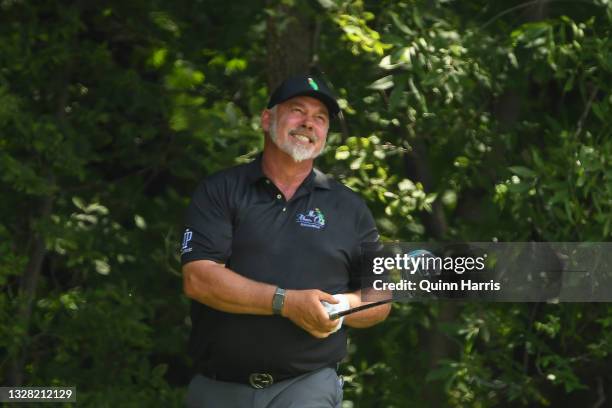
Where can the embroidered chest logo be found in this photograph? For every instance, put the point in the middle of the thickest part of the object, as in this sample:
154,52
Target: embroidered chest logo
312,219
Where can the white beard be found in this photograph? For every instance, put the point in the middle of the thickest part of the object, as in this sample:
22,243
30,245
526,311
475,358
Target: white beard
297,152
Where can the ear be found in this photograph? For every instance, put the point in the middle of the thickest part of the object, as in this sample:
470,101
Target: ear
266,120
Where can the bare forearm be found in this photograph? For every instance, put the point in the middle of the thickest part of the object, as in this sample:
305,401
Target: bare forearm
223,289
367,317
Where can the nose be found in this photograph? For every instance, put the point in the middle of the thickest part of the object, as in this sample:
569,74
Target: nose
307,122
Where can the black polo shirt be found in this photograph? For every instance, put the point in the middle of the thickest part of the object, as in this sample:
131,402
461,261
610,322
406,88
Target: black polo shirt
239,218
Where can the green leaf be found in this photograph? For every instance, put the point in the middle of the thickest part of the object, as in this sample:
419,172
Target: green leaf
397,93
518,187
462,162
102,267
327,4
342,153
523,171
383,83
79,203
159,57
140,222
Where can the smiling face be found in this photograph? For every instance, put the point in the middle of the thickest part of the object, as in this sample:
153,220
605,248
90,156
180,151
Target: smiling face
298,127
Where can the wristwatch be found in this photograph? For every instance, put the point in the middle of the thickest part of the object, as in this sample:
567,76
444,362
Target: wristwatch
278,301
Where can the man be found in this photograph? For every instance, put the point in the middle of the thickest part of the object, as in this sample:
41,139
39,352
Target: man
265,244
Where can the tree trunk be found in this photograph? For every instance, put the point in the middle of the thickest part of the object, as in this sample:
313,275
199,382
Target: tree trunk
290,39
38,250
27,291
418,169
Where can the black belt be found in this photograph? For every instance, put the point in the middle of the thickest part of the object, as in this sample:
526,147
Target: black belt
256,380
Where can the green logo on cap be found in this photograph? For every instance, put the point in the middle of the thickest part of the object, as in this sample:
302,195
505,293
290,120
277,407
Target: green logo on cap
313,84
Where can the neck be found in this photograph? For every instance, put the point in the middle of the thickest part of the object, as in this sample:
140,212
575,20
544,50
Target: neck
286,173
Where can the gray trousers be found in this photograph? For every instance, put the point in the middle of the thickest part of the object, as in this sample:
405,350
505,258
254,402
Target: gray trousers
318,389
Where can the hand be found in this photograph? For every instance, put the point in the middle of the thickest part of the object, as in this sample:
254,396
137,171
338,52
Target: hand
342,305
304,308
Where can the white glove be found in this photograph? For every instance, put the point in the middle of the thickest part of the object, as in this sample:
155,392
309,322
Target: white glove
342,305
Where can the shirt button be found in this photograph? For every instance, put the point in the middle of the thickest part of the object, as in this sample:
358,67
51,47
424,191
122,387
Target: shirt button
267,181
284,209
279,196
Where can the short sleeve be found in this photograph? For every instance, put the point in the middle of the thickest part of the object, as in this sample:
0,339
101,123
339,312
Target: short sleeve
366,233
208,224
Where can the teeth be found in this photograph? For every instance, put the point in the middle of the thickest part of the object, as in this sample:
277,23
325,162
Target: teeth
302,138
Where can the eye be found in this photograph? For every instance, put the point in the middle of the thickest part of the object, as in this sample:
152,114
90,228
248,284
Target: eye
297,110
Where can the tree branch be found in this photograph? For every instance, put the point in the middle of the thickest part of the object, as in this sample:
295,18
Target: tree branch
602,394
586,111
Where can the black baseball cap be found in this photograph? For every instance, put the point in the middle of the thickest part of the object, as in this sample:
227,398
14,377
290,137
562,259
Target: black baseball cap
305,85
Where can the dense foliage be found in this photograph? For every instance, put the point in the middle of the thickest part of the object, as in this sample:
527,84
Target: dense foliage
462,121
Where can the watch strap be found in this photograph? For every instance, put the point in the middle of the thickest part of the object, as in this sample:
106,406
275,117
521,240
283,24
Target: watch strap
278,301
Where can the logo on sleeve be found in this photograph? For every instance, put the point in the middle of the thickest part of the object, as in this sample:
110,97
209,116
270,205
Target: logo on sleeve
312,219
185,247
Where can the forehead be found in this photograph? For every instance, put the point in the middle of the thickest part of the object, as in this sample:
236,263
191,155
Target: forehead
306,102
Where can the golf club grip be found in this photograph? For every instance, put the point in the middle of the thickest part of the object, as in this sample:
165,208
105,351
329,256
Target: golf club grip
337,315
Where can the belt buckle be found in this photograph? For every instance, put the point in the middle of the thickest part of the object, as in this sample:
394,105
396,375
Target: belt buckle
261,380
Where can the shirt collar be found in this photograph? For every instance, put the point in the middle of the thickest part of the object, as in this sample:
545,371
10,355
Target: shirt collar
254,171
321,180
316,176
